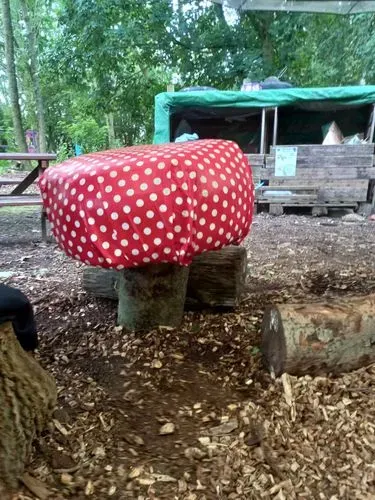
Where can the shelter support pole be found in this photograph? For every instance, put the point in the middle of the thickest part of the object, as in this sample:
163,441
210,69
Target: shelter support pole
263,132
275,126
372,129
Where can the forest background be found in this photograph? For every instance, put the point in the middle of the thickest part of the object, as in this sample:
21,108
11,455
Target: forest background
86,72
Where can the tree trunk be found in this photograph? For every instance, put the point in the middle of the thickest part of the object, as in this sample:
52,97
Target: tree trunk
331,337
111,130
152,296
262,23
32,49
216,279
27,400
12,78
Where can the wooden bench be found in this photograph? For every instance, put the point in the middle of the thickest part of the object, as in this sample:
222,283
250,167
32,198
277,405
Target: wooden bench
8,181
19,201
17,196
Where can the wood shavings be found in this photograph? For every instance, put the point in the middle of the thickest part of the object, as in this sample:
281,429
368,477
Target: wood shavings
292,436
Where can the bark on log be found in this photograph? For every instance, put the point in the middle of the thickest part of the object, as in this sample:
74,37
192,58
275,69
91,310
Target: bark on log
152,296
27,400
332,337
216,279
101,282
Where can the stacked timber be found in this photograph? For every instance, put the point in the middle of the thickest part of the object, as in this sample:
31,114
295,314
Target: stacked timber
257,163
329,176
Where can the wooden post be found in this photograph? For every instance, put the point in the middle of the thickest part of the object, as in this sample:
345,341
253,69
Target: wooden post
263,132
331,337
152,296
372,128
27,400
275,126
42,166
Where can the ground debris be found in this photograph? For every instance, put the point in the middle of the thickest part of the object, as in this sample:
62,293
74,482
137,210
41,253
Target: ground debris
285,438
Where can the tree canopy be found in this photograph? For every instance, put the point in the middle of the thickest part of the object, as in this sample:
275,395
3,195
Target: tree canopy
87,71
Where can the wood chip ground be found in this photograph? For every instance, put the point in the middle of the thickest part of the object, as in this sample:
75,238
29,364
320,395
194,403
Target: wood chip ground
190,414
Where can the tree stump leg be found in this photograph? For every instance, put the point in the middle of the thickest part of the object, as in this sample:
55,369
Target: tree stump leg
276,209
319,211
364,209
216,279
101,282
332,337
152,296
27,400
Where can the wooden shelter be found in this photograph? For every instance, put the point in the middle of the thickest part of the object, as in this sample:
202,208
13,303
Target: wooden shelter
340,175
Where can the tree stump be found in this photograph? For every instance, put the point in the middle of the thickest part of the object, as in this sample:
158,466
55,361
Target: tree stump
319,211
331,337
216,279
276,209
151,296
101,282
27,400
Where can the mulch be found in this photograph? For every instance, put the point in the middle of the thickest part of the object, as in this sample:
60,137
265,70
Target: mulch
191,413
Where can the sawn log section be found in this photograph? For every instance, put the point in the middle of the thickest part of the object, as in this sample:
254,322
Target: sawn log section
330,337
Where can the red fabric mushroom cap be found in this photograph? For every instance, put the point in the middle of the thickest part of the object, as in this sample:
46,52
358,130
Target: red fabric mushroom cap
146,204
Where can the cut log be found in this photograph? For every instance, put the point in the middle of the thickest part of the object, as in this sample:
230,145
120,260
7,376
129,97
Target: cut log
319,338
216,279
151,296
319,211
101,282
276,209
27,400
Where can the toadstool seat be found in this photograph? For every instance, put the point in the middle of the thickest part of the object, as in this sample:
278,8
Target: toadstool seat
136,207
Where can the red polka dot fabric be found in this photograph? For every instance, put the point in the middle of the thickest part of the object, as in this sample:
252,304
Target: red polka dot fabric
146,204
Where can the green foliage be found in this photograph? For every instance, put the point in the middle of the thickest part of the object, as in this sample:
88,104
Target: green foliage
7,136
112,57
63,152
88,134
4,166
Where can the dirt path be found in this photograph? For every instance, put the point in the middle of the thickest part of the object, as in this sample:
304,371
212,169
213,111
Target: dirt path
117,391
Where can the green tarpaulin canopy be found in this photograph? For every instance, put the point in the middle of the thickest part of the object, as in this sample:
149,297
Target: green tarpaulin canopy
208,105
322,6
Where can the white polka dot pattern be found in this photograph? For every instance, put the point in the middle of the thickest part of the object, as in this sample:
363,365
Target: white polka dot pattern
162,203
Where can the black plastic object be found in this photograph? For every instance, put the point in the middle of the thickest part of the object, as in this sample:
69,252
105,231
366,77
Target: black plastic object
16,308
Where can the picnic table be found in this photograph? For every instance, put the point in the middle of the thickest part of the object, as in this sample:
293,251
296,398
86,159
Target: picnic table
17,196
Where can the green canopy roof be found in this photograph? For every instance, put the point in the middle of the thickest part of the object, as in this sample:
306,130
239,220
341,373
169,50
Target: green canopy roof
168,103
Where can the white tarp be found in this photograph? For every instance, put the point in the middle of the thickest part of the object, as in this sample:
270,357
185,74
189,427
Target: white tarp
324,6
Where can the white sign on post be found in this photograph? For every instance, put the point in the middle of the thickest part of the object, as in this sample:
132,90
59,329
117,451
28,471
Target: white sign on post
285,161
